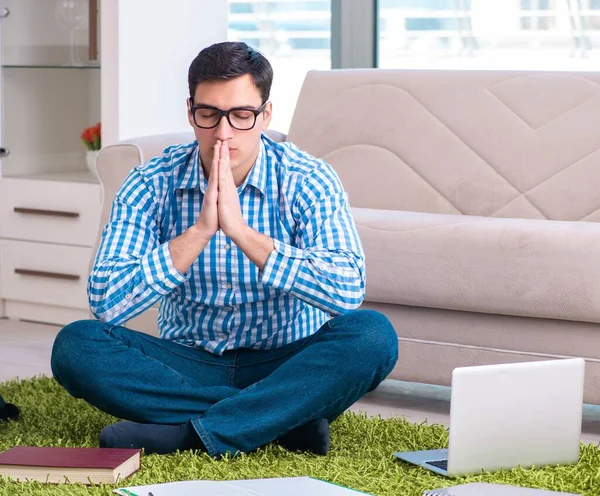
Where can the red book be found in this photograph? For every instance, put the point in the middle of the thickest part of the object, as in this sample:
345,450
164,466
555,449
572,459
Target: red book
64,465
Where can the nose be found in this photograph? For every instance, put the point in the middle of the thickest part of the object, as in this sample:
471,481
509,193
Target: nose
223,131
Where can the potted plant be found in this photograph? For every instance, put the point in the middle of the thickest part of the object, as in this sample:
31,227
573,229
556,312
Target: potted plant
92,139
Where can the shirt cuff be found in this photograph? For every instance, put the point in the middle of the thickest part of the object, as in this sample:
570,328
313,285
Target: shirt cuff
282,266
159,272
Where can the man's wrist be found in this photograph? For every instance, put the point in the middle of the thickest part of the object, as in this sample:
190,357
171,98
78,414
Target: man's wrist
241,234
199,234
256,246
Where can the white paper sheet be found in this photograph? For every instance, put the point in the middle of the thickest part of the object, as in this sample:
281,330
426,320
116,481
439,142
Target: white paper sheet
286,486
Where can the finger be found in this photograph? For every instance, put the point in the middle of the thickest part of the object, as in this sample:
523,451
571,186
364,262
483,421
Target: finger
215,161
225,151
213,180
217,151
225,159
226,167
224,163
223,174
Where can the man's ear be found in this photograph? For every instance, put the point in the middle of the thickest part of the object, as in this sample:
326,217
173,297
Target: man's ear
267,114
189,103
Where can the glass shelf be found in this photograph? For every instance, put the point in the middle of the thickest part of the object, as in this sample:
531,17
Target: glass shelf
50,66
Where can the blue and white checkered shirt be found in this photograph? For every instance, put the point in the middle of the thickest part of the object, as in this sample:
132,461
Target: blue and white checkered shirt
223,301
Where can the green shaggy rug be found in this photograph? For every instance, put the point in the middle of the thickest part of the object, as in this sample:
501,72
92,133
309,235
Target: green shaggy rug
360,457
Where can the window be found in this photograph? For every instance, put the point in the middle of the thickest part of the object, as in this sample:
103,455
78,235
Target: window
538,4
541,23
489,34
294,35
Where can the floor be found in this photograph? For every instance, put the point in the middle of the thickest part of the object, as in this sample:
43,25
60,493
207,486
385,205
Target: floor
25,352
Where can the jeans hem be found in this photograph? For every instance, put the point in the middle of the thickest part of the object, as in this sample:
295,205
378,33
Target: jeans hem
204,437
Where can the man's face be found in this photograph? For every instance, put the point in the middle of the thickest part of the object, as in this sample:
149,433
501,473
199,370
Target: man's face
243,145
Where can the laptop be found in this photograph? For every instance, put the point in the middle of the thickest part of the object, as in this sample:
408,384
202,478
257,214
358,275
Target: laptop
510,415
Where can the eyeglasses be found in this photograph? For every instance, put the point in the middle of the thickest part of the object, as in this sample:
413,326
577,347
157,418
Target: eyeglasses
240,118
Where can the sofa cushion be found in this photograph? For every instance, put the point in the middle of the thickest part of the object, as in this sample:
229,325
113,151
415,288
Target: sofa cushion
523,267
511,144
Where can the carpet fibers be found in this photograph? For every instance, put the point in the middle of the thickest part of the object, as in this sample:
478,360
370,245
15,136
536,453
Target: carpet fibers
360,455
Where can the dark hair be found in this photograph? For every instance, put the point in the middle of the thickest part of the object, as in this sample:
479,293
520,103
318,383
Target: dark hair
229,60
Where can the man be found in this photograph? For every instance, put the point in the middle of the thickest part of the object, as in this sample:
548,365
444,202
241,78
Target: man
251,248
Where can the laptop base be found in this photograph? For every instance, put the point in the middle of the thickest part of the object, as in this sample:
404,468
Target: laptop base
424,459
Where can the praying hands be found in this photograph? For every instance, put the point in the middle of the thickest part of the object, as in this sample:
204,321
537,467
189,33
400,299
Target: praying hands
220,210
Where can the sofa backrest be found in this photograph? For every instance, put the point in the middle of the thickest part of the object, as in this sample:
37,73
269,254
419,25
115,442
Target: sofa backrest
499,144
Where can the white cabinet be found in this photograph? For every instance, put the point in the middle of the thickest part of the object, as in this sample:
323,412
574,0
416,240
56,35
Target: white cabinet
45,274
66,65
49,211
47,233
49,200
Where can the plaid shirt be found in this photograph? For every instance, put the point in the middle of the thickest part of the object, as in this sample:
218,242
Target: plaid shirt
223,301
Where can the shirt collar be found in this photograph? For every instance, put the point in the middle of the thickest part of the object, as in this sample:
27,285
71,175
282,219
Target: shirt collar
257,176
193,174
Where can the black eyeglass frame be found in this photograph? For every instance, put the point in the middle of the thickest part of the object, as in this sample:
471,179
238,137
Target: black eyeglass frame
225,113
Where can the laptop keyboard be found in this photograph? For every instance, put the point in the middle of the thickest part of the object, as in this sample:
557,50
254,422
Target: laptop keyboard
443,464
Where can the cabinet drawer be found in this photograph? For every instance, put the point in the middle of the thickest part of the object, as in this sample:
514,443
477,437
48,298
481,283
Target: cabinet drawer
50,211
44,273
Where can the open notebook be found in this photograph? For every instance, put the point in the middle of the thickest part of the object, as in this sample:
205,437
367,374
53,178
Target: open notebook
290,486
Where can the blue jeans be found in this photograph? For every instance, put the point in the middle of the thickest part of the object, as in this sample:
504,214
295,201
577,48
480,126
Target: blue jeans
238,401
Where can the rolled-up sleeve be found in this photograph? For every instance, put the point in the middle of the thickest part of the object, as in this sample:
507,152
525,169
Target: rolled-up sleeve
132,269
326,267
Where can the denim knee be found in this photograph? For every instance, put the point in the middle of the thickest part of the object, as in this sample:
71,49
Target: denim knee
375,340
67,347
380,337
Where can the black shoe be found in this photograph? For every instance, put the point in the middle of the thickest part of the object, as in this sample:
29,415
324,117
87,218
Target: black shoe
312,438
9,412
153,438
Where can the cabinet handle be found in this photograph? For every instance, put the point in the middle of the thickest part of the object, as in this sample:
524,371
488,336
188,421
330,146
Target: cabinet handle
51,275
53,213
4,12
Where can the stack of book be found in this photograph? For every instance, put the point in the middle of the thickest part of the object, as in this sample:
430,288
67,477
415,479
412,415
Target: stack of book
64,465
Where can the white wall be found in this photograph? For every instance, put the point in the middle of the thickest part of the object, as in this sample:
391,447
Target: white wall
147,47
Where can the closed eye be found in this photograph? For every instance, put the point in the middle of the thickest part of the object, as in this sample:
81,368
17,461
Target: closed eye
240,114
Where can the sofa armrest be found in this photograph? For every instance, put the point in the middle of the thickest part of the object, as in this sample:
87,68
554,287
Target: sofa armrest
277,136
522,267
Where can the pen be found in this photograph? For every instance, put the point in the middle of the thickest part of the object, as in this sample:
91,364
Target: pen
127,492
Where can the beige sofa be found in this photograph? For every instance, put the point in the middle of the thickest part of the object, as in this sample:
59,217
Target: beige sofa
476,196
